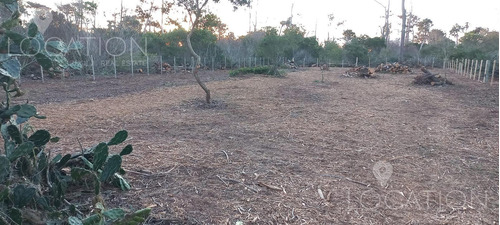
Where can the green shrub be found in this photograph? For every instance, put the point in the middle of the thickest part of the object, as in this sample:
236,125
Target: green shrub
34,185
265,70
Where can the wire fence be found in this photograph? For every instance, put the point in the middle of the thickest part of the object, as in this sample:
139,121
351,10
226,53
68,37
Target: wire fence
473,69
481,70
154,64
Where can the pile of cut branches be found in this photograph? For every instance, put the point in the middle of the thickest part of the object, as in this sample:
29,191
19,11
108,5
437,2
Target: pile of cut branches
392,68
165,67
363,72
291,64
429,78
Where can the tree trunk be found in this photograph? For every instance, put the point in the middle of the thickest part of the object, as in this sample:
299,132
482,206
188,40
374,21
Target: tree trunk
197,65
388,28
403,32
121,12
420,50
146,25
161,20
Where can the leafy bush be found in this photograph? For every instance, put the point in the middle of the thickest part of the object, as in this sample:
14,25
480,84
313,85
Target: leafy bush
266,70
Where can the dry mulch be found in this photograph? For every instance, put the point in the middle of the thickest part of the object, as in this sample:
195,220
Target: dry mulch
290,150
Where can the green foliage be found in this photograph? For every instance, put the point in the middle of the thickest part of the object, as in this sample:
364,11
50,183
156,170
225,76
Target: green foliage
356,49
119,138
331,52
310,46
22,195
29,179
127,150
11,68
348,35
292,44
173,44
271,46
29,152
478,44
362,47
113,216
213,23
135,218
50,55
266,70
4,168
101,155
112,166
293,36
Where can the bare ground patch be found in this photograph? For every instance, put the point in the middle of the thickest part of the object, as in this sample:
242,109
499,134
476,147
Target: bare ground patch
261,155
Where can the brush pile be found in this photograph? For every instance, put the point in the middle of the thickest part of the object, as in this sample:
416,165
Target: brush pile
291,64
392,68
165,67
429,78
363,72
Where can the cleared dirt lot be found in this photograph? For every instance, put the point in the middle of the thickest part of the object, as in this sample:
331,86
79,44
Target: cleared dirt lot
268,148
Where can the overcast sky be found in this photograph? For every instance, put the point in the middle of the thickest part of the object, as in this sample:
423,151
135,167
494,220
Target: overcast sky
361,16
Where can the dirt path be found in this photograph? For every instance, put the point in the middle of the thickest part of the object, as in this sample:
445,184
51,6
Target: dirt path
288,138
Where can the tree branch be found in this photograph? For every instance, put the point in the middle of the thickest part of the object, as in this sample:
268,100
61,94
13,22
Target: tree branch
194,25
380,4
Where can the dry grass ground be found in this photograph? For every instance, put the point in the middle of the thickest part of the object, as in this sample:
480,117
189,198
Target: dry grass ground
269,146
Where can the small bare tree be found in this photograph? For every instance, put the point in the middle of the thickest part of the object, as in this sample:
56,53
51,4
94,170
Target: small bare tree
403,31
195,10
386,29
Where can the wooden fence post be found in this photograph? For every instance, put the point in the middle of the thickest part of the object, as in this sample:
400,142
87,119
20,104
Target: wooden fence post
192,64
471,67
147,64
466,67
131,62
93,70
486,68
480,70
493,73
475,70
463,65
161,65
41,71
114,64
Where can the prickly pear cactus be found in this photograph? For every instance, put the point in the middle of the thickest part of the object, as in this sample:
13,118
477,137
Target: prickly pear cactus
34,186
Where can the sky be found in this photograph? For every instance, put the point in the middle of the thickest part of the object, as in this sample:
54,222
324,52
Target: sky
361,16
